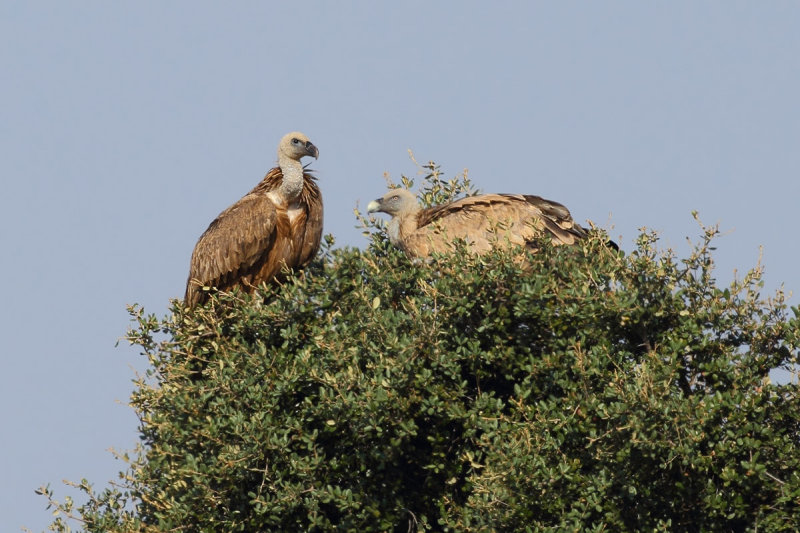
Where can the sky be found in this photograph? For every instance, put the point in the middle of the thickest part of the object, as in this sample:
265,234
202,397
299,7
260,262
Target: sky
128,126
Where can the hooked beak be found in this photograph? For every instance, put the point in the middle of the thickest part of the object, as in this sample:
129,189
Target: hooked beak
374,205
312,150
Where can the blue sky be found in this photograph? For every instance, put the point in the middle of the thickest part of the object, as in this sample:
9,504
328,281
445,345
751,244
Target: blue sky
127,127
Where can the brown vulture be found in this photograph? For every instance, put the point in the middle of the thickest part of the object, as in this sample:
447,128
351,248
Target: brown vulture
483,221
277,224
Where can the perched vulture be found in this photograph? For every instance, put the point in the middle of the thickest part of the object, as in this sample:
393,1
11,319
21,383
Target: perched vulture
482,221
277,224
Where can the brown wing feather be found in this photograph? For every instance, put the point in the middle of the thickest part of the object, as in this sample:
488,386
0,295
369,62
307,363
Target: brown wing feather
234,242
486,219
307,230
557,219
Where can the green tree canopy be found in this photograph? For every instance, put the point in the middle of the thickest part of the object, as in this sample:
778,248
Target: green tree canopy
579,390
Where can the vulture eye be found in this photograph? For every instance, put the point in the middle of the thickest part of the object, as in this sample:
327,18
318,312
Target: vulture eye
395,198
295,141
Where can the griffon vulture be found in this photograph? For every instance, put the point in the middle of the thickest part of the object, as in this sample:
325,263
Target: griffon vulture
277,224
483,221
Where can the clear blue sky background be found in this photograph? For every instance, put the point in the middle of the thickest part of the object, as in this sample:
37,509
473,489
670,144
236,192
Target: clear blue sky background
127,127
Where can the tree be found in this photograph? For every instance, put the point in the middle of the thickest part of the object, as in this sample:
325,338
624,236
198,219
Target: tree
580,389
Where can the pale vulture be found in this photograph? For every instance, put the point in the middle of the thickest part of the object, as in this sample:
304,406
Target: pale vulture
277,224
483,221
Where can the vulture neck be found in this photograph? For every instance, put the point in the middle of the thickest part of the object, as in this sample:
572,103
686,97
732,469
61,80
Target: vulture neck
292,184
401,225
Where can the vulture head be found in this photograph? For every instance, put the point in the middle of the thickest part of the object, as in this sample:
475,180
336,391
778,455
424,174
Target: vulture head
402,206
294,146
394,203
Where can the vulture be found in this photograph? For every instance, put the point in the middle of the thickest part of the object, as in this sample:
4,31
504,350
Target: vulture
483,221
277,224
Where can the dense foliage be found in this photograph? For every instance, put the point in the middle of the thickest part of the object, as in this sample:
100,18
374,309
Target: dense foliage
580,389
